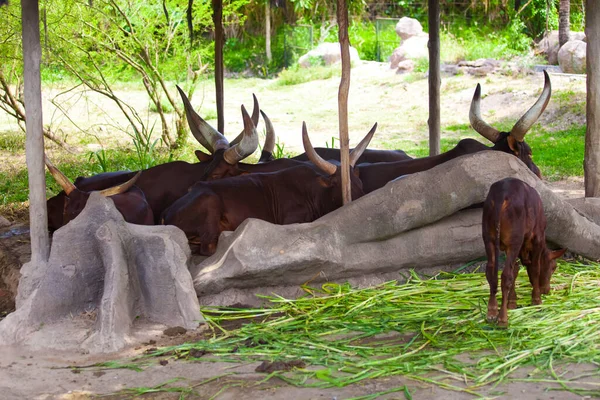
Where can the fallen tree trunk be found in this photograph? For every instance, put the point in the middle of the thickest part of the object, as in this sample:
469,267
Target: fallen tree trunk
413,222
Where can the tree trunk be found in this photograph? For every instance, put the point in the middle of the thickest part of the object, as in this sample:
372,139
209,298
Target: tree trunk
219,41
434,77
563,21
32,54
592,137
190,24
342,17
268,30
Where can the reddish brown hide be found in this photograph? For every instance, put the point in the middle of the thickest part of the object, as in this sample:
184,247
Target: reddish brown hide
294,195
514,222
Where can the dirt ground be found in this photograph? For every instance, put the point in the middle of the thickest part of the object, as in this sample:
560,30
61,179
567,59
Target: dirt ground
377,94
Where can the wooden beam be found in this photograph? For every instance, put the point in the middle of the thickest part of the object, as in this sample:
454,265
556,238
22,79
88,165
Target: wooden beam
219,41
342,17
434,77
592,137
34,145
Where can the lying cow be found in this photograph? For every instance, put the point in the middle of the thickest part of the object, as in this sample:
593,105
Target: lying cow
128,199
294,195
375,176
514,222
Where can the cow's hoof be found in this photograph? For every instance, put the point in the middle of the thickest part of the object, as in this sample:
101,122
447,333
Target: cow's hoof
536,302
512,305
502,324
492,317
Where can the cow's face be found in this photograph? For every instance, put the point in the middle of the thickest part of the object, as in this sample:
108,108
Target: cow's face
512,142
519,149
547,268
74,203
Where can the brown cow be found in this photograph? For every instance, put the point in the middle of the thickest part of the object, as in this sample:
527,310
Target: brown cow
514,222
128,199
375,176
293,195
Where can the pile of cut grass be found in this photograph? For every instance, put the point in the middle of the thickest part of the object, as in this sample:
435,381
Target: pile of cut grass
417,329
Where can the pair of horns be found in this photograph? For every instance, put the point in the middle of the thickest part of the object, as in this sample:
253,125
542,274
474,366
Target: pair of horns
326,166
521,127
69,187
240,148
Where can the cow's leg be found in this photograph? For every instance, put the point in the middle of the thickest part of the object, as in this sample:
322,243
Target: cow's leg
508,281
491,273
534,276
512,297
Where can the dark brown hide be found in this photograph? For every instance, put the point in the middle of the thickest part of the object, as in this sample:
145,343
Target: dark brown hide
369,155
514,222
293,195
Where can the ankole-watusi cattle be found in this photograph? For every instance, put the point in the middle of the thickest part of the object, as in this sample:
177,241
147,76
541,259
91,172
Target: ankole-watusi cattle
128,199
293,195
368,156
165,183
377,175
514,222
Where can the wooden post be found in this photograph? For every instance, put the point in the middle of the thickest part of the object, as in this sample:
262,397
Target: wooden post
268,30
434,77
34,145
591,163
342,17
219,41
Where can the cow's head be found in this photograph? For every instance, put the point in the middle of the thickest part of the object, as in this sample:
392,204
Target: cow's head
332,169
75,199
224,156
548,266
513,141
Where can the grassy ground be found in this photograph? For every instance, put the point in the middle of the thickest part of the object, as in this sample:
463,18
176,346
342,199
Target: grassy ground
430,330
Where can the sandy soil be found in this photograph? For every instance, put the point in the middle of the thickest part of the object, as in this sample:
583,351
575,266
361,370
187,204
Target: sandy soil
377,95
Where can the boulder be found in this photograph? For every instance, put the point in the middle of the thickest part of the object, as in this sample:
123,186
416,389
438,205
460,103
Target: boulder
411,223
405,66
106,282
572,57
410,49
326,54
408,27
549,45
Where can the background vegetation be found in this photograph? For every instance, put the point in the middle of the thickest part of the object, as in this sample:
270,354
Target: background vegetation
104,44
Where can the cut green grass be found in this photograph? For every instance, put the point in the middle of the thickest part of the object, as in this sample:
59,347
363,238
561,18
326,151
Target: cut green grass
431,330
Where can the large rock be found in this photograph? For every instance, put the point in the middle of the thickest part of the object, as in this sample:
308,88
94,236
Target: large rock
104,279
572,57
326,54
549,45
408,27
413,222
410,49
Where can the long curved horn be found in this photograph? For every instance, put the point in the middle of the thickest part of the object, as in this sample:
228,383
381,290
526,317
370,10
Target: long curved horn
254,120
205,134
524,124
270,134
358,150
59,177
122,188
490,133
247,145
316,159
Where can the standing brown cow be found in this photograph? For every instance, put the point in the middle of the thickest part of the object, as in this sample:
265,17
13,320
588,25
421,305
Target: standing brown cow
514,222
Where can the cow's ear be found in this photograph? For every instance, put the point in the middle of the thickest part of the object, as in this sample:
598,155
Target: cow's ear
557,254
513,144
325,182
202,157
